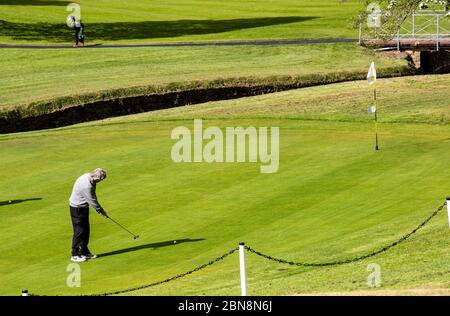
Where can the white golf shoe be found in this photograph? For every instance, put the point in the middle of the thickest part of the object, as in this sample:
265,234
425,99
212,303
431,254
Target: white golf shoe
78,259
89,256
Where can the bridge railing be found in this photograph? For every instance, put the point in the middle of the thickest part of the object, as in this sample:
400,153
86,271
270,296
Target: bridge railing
425,27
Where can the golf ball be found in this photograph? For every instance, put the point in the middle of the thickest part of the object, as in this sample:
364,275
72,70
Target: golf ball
10,201
174,241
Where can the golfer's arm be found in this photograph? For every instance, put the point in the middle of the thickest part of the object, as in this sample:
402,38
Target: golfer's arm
91,199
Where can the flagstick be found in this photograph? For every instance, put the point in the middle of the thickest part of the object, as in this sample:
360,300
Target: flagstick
376,118
371,78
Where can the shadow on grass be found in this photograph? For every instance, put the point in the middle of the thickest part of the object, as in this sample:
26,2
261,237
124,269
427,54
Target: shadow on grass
34,2
147,246
137,30
11,202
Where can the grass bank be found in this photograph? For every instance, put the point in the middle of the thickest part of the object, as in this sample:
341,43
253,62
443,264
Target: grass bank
55,79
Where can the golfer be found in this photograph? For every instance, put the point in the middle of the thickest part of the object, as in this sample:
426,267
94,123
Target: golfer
83,196
78,32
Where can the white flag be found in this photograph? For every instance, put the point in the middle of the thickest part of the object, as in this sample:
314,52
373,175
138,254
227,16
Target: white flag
372,109
372,75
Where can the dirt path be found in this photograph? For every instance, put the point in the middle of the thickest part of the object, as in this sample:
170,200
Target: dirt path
195,44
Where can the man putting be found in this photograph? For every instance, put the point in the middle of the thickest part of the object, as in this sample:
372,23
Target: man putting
83,196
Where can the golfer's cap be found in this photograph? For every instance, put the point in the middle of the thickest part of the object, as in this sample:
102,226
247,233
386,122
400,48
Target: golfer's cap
98,174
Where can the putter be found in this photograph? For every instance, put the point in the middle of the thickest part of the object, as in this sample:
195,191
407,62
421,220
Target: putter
134,236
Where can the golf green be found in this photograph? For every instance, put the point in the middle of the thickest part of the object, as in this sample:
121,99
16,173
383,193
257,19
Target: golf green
334,197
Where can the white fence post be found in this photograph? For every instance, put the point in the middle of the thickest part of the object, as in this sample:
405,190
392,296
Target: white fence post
437,32
360,29
448,210
242,268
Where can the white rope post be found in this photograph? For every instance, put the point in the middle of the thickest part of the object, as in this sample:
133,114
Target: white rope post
242,268
448,210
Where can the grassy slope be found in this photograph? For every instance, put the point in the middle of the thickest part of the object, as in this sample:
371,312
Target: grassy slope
178,20
39,75
335,102
334,197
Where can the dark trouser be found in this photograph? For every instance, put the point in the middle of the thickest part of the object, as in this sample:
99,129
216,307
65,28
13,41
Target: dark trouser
80,223
78,37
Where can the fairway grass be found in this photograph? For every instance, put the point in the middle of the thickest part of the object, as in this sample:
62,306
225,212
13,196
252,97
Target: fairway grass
136,21
333,198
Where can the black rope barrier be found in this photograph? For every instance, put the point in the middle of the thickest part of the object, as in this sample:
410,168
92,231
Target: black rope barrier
335,263
251,250
203,266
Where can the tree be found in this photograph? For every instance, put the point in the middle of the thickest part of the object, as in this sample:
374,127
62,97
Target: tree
393,13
